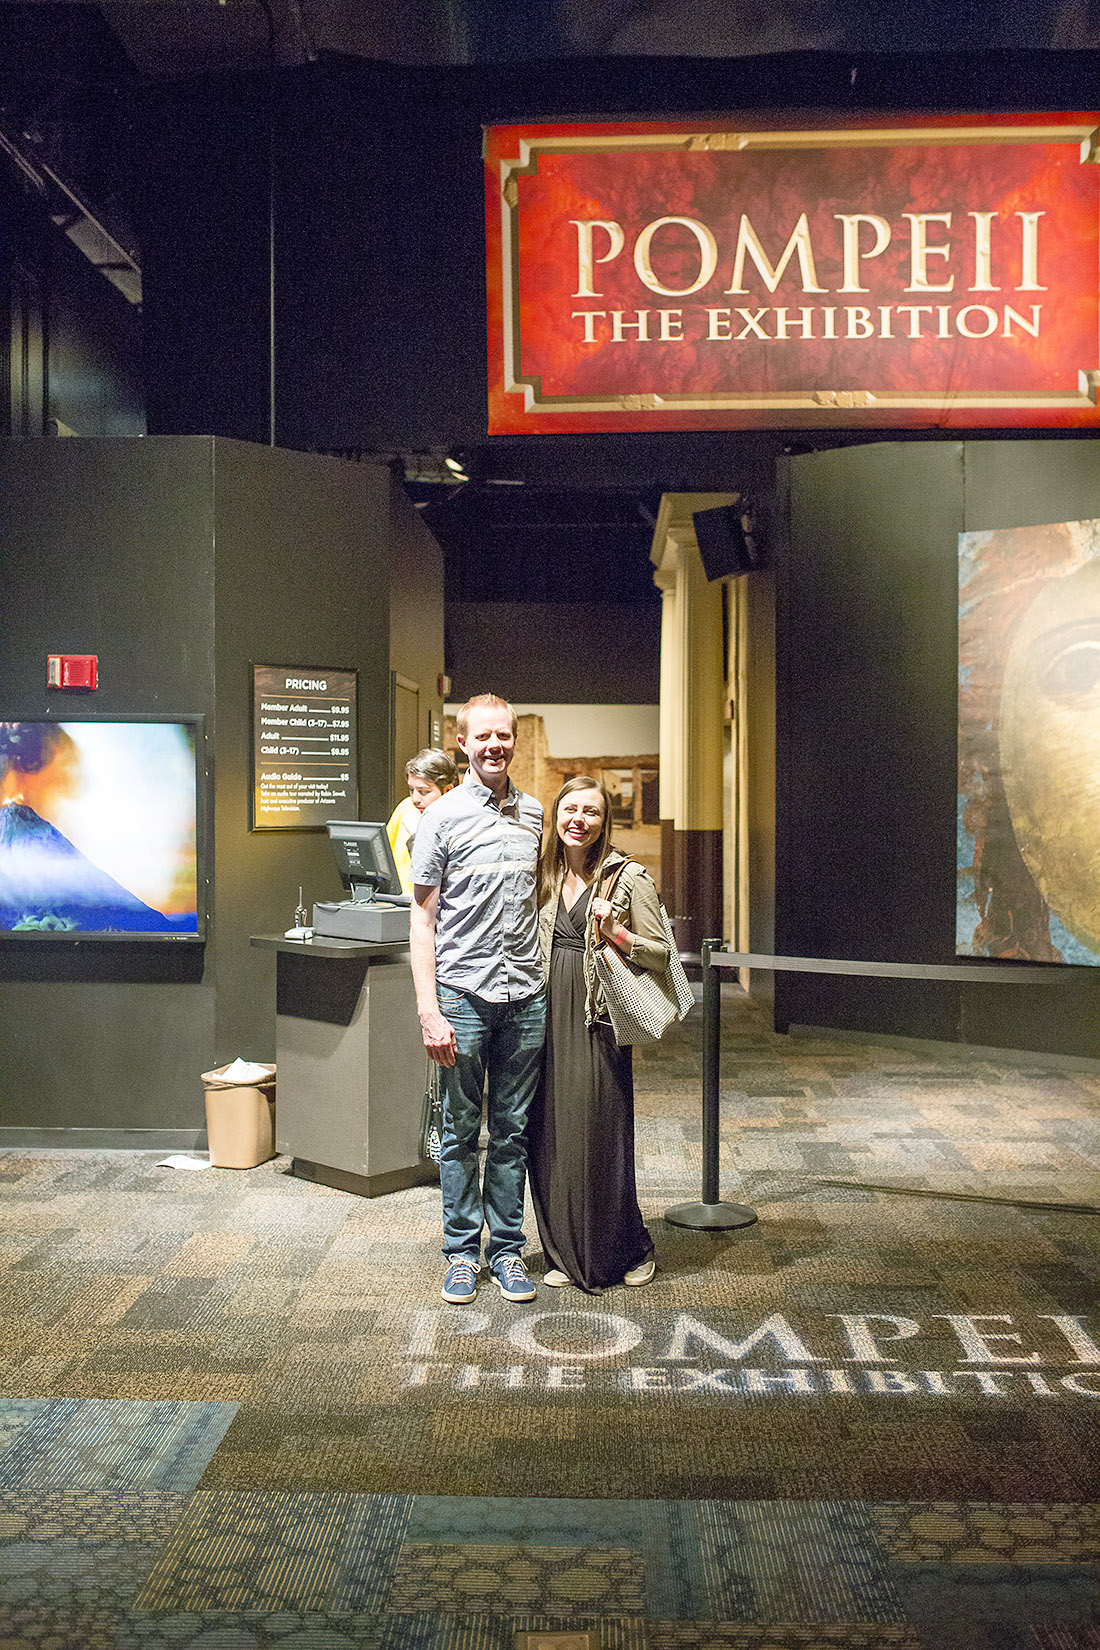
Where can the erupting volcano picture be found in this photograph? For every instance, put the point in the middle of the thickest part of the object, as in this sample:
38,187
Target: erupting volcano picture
97,828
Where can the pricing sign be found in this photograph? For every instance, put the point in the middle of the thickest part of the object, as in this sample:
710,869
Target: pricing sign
305,767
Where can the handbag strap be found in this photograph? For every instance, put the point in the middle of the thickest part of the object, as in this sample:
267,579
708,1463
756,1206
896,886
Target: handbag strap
607,892
613,879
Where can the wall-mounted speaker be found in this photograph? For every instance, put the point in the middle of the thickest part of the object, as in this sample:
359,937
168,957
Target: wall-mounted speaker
725,547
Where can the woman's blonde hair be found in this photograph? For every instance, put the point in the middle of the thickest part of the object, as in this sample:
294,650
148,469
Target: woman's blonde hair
552,858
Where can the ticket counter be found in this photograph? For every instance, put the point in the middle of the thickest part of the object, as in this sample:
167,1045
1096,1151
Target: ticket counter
350,1063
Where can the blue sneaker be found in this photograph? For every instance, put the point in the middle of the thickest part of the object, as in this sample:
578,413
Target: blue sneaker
510,1277
460,1284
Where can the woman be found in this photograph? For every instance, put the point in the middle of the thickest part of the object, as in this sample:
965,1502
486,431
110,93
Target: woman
429,773
581,1132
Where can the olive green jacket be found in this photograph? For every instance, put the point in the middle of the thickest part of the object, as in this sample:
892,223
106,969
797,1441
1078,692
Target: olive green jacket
635,903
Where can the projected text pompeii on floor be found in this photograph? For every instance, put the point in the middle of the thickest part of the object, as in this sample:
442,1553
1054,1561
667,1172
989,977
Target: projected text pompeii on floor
994,1354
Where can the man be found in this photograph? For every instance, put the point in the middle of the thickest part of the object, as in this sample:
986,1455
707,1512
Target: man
480,994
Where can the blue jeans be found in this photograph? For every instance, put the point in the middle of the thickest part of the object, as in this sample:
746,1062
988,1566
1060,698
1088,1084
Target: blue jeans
506,1040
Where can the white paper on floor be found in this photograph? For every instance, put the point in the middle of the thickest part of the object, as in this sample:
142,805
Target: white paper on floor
179,1160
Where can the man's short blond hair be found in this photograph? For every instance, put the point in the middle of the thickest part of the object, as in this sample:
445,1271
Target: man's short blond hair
490,701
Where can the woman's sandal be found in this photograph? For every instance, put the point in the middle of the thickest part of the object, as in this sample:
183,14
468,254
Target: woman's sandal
642,1273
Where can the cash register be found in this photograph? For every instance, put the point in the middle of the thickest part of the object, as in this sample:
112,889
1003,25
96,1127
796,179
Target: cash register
377,909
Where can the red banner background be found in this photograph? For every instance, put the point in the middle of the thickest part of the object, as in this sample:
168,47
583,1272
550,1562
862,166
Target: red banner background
940,376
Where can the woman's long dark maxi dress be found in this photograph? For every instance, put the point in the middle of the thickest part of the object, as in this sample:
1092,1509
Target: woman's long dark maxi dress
581,1132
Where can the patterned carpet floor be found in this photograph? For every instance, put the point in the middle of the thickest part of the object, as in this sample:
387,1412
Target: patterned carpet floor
234,1412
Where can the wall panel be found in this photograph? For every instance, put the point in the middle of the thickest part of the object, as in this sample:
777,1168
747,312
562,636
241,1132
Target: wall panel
867,648
178,561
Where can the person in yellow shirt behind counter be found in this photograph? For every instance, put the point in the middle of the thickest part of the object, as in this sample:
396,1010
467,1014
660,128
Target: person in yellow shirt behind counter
429,773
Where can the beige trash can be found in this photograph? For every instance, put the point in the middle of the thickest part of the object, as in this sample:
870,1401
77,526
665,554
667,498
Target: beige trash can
240,1120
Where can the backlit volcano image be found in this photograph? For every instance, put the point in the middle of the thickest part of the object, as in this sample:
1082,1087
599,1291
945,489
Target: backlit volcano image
97,828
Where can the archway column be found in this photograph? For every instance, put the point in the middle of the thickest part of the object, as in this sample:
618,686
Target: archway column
692,689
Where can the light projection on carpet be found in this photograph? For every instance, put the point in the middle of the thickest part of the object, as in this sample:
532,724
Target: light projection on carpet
1028,856
970,1355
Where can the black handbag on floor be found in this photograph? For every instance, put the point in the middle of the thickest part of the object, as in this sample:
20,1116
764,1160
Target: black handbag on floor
431,1121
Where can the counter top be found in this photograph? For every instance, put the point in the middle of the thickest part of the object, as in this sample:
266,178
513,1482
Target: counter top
325,945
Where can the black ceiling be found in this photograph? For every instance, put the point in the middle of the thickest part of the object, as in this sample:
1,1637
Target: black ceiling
117,39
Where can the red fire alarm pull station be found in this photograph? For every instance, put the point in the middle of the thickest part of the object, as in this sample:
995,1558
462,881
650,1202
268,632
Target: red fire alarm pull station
72,670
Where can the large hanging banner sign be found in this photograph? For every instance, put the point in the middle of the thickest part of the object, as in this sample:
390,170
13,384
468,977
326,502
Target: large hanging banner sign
648,277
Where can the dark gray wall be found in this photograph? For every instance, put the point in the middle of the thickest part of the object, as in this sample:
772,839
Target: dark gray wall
867,662
301,578
760,802
416,618
179,561
555,653
107,549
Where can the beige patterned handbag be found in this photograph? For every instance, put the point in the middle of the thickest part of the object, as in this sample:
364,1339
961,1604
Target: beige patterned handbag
640,1003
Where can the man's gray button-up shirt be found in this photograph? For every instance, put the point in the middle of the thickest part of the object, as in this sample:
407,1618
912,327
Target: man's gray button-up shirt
483,859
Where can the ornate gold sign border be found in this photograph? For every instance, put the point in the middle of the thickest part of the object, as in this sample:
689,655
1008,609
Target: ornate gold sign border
525,164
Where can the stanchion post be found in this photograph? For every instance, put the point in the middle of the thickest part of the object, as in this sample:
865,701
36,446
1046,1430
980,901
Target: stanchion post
711,1215
712,1047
